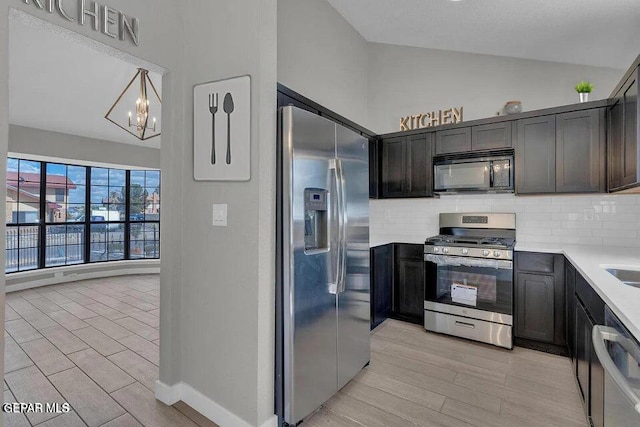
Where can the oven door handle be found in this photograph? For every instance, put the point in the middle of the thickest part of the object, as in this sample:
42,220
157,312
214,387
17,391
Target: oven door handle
454,261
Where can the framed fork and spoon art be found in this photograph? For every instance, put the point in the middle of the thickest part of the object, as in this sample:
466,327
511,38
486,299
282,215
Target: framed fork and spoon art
222,130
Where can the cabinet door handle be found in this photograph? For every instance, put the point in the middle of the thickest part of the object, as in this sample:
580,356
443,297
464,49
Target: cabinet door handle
465,324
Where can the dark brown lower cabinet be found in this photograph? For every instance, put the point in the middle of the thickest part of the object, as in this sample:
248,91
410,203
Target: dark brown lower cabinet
539,296
381,283
408,286
589,311
583,350
570,288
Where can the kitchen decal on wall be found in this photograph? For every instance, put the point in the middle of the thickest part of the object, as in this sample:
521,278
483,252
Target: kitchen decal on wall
105,19
434,118
222,130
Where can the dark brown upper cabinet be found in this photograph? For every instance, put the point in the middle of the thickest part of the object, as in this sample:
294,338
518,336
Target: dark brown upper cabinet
394,167
374,170
453,141
536,155
624,156
562,153
580,152
407,166
491,136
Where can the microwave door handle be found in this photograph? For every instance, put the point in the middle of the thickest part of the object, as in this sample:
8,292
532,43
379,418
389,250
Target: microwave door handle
599,335
490,174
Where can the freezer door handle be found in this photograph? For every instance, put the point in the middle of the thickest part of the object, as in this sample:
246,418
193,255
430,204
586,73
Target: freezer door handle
335,219
599,335
342,226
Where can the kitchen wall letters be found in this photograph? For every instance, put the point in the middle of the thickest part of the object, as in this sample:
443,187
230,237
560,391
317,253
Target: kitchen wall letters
107,20
434,118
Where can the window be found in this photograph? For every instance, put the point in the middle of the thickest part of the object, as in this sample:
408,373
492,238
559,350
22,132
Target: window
59,214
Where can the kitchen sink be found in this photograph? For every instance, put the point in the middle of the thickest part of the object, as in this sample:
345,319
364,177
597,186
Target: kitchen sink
628,277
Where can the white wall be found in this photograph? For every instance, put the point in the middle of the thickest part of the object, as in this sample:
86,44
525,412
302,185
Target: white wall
43,143
216,287
601,220
321,56
404,81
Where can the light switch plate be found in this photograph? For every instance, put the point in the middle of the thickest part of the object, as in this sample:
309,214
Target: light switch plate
220,215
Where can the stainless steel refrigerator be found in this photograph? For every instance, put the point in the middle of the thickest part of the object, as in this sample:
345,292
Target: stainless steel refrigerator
322,290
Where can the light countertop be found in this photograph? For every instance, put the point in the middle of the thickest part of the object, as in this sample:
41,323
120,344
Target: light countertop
591,262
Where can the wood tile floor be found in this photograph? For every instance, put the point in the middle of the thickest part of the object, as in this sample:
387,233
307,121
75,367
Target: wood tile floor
425,379
93,344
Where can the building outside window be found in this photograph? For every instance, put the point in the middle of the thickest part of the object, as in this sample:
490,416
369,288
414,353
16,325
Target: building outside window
60,214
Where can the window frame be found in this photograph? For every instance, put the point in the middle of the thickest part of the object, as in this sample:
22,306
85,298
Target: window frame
44,223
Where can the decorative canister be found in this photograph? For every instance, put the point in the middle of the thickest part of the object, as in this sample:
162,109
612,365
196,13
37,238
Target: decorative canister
513,107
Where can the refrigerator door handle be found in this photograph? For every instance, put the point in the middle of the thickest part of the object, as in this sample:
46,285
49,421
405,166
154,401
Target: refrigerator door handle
342,221
335,218
600,334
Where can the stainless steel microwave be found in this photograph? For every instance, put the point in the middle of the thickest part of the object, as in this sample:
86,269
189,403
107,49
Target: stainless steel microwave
486,173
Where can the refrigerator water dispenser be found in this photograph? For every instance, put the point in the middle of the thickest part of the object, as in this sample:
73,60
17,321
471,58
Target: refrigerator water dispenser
316,229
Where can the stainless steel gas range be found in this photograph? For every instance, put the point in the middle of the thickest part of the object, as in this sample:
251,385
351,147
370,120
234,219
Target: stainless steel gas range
469,277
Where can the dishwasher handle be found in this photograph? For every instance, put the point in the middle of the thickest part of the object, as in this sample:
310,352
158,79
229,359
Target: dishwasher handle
599,335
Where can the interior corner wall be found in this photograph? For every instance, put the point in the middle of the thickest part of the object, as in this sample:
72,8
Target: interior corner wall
44,143
321,56
216,284
405,81
228,272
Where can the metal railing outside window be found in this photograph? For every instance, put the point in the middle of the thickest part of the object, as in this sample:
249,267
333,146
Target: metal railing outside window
62,214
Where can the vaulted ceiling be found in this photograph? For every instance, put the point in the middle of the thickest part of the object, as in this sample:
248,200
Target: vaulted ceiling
588,32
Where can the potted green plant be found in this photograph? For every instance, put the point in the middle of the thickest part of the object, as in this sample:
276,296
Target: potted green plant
584,88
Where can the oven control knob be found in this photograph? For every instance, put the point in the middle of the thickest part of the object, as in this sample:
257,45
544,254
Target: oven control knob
497,254
465,251
436,249
485,253
445,250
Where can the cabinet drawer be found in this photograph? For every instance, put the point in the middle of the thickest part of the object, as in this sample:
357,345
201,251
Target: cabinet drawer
591,300
410,251
536,262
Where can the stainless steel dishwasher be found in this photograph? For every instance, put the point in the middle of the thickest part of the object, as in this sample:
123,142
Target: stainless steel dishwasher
619,354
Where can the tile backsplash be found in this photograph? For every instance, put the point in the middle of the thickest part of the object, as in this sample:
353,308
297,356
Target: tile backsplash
603,220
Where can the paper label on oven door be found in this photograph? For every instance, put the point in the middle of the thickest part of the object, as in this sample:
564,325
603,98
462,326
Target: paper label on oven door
463,294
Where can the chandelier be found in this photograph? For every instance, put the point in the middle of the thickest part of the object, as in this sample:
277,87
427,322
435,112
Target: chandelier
134,109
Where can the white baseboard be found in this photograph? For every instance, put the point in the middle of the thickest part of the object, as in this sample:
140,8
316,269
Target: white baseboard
272,421
182,391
